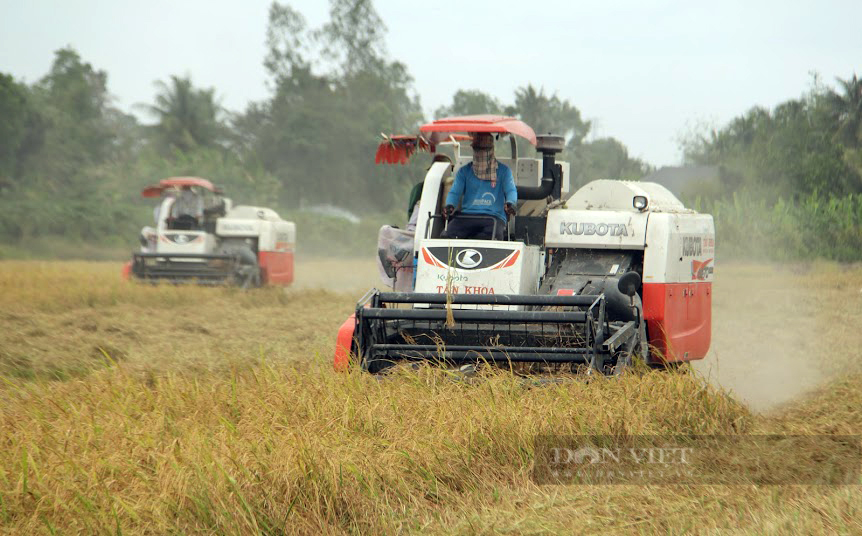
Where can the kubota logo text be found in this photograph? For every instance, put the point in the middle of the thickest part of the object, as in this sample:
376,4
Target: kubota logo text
588,229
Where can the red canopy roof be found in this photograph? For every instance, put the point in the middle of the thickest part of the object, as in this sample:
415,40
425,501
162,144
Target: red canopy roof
482,123
178,182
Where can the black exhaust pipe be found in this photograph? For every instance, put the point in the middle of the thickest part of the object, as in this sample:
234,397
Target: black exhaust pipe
552,174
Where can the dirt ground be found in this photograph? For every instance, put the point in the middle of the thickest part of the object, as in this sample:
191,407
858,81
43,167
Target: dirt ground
781,331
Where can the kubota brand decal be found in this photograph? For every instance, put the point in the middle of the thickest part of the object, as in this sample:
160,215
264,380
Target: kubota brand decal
692,246
238,227
470,258
700,270
589,229
457,278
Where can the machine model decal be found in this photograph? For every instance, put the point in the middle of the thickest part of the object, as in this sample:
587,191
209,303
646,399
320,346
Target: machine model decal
588,229
709,245
701,270
468,258
469,289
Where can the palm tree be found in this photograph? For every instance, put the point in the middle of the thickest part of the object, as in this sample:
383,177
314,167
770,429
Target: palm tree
846,111
187,117
549,114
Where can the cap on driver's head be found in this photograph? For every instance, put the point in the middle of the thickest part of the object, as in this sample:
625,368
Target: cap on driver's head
482,140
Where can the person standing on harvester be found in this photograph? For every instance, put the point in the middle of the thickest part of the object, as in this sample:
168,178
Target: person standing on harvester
485,187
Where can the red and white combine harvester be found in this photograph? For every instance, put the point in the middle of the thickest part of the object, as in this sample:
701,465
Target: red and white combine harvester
200,237
589,281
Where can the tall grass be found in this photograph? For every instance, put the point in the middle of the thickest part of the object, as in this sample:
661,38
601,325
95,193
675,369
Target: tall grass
273,448
225,417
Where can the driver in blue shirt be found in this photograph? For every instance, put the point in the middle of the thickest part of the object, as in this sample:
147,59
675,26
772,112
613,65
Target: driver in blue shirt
485,187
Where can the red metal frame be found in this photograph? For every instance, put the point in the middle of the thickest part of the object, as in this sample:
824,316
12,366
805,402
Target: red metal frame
178,182
679,318
343,343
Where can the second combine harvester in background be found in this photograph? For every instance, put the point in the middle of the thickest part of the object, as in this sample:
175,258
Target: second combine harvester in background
201,237
591,281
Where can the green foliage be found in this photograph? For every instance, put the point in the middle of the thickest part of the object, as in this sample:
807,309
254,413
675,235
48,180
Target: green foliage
335,91
72,165
791,177
327,236
549,114
792,150
188,118
20,128
845,109
470,102
605,158
814,226
73,98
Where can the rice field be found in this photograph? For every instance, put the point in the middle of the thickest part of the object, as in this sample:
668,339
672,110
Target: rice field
132,409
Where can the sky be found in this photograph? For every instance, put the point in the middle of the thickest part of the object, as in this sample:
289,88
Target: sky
643,72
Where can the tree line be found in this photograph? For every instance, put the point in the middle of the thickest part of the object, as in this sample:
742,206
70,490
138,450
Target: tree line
72,163
790,177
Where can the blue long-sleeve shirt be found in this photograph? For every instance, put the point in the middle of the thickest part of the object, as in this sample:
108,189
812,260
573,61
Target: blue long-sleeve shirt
479,197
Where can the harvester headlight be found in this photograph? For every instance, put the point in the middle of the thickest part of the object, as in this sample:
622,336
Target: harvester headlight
640,202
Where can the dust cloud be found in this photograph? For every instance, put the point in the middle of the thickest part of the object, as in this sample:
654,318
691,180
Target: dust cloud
779,332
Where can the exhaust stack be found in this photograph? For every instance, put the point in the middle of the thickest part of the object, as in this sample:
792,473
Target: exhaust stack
549,146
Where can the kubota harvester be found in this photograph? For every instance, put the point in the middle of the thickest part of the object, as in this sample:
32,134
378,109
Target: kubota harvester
586,281
200,237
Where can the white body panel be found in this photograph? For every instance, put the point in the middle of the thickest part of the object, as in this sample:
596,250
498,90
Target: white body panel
277,236
618,196
428,201
273,233
263,225
185,242
478,267
680,248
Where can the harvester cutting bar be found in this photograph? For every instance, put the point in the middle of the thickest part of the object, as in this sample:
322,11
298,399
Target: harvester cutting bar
485,299
470,354
555,330
471,315
212,268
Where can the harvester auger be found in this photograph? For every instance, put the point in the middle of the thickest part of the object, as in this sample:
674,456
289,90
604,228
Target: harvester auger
201,237
588,281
